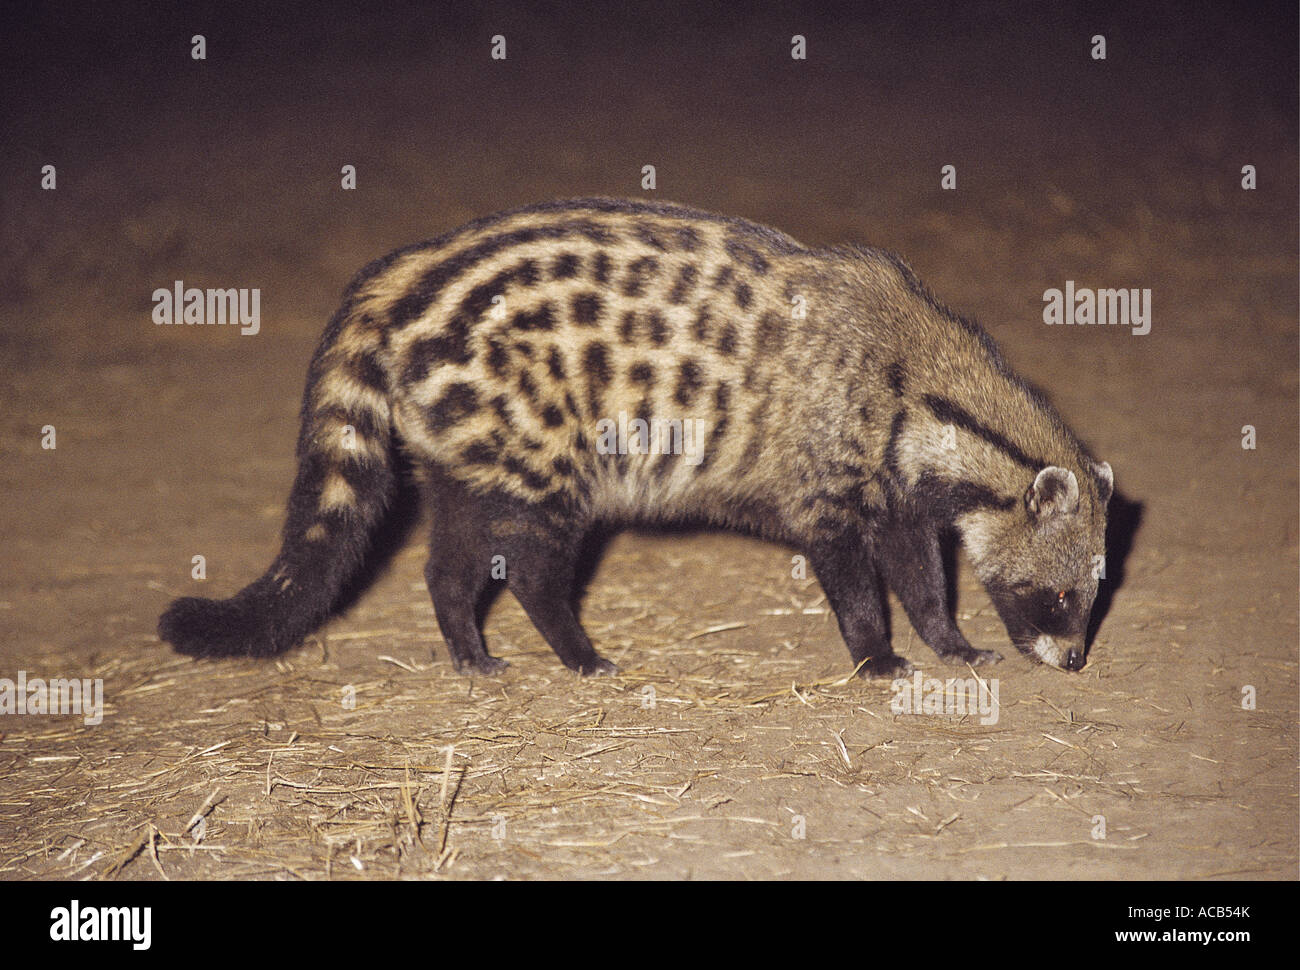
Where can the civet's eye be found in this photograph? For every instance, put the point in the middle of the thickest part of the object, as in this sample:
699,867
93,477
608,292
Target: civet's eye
1060,597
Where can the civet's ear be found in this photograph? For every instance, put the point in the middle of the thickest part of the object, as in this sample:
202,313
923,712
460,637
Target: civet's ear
1105,480
1055,492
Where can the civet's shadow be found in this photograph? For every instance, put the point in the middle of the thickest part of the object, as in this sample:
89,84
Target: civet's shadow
1122,525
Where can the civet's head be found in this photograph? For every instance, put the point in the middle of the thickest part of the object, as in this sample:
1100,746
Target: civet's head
1041,560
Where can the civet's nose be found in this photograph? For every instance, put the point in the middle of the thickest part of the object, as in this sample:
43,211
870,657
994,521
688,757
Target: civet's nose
1074,659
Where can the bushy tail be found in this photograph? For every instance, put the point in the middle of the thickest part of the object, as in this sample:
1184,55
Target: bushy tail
345,478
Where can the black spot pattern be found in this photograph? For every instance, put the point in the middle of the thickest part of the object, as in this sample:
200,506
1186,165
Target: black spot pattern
539,318
479,299
689,379
748,256
457,403
420,296
727,340
365,370
498,358
896,377
647,235
479,453
627,328
527,387
595,364
684,284
641,373
721,406
639,273
586,309
555,363
702,324
688,239
449,347
658,328
532,479
770,334
565,266
502,408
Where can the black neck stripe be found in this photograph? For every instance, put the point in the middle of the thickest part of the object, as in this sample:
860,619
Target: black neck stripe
950,413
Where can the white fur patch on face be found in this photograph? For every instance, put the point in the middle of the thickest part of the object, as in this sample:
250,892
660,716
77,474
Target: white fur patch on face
1049,651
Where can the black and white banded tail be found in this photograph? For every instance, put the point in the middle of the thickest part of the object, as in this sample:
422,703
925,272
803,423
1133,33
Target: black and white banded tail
344,481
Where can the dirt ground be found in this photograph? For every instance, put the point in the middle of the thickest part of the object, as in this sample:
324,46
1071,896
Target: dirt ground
734,744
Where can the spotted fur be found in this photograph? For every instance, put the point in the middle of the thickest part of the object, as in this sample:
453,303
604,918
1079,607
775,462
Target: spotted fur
840,408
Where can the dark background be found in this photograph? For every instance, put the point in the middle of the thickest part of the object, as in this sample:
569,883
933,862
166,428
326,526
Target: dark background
254,136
